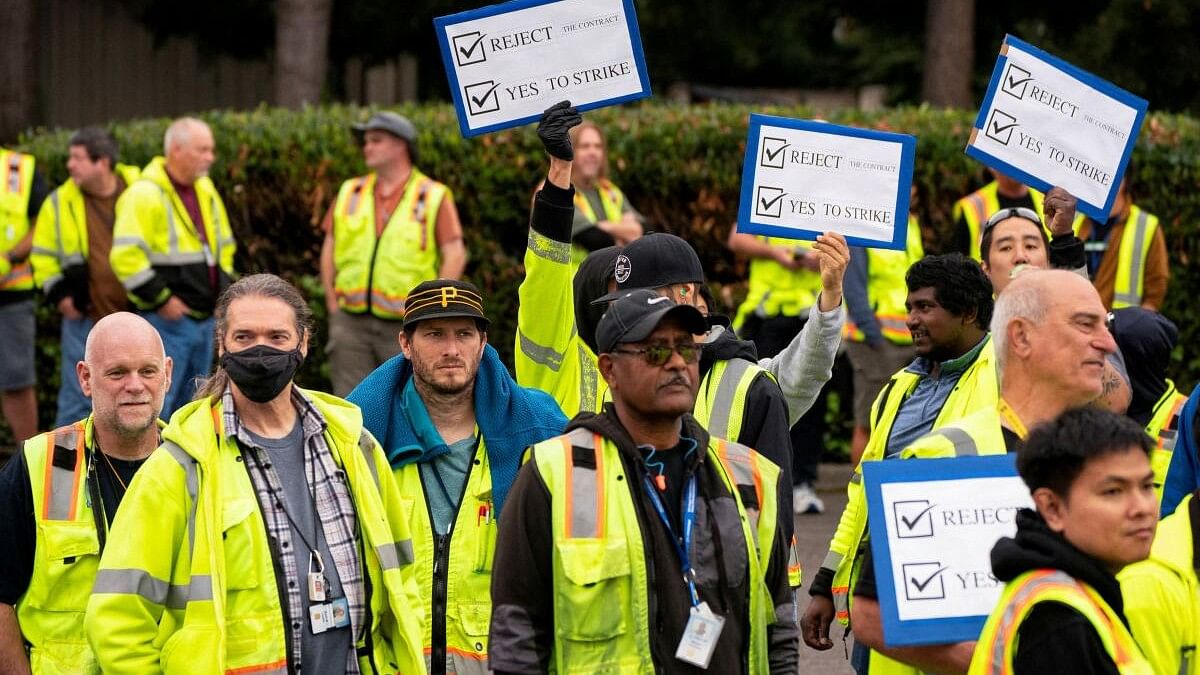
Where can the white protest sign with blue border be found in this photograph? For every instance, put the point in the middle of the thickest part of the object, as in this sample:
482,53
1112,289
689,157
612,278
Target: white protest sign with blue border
1048,123
802,178
507,63
933,525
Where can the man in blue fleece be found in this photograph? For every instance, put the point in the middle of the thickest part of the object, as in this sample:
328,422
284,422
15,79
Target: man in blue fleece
454,425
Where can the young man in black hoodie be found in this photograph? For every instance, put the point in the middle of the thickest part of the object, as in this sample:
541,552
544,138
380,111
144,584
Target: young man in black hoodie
637,541
1061,611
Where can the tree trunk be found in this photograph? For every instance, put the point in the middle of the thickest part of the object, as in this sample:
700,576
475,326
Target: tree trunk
18,72
301,50
949,53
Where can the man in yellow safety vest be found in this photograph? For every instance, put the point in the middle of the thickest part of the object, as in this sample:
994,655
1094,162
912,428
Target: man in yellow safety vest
1127,254
603,214
386,232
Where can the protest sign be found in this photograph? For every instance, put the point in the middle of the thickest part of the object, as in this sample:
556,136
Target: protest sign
509,62
802,178
933,524
1045,122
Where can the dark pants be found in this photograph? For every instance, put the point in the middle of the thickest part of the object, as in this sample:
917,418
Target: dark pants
770,336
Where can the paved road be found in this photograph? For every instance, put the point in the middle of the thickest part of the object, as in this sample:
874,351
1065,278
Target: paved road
812,535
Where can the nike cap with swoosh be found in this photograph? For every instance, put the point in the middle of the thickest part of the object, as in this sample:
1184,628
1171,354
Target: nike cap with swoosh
633,316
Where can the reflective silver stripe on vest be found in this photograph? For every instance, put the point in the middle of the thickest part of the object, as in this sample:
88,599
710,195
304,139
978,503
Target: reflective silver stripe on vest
395,555
832,561
152,589
134,280
721,403
585,487
62,481
856,478
589,380
964,445
172,233
543,356
463,665
58,239
366,443
545,247
193,487
1134,297
355,193
132,241
1010,613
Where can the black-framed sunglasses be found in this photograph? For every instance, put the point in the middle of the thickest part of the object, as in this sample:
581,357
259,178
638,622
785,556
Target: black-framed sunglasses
1013,212
657,355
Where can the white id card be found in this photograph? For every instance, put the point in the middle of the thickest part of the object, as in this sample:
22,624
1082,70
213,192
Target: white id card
700,636
327,615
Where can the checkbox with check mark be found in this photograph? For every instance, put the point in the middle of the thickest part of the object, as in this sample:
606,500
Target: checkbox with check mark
1000,126
914,518
923,581
769,201
468,48
773,153
1015,80
482,97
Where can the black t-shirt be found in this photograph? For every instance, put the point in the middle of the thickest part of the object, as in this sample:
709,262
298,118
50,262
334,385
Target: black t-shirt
672,465
18,529
1055,638
866,579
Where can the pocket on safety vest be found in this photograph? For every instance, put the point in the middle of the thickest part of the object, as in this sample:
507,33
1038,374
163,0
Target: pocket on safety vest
735,557
63,656
475,617
591,605
241,544
71,552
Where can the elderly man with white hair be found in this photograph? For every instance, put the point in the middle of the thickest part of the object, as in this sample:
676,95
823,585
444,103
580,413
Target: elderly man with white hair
58,498
173,251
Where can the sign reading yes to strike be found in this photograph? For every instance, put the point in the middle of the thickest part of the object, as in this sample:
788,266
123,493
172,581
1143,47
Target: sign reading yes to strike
802,178
1045,122
509,62
933,525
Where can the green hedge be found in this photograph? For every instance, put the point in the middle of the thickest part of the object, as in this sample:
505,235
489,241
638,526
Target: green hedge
278,171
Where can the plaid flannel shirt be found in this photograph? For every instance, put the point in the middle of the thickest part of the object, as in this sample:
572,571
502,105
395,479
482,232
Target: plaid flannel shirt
335,508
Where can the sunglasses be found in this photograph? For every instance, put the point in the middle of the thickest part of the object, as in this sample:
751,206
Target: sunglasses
1013,212
658,355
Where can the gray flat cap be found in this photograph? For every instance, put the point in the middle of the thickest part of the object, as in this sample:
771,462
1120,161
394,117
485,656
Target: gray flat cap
394,124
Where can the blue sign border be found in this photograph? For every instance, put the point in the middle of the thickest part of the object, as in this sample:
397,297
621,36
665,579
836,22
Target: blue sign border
1140,104
897,633
908,153
442,22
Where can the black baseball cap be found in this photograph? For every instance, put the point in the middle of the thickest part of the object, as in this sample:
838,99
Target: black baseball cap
655,260
633,316
443,299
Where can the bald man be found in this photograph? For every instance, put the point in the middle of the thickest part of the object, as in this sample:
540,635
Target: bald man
50,530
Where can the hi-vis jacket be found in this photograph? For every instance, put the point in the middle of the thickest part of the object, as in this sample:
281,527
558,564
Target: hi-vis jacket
998,643
1163,429
188,583
16,187
1134,249
612,200
1162,594
887,291
776,290
60,242
976,390
374,274
978,206
156,250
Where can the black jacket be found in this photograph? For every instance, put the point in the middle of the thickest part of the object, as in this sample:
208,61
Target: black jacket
522,630
1054,638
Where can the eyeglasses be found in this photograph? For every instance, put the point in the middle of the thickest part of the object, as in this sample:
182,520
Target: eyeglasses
1013,212
658,355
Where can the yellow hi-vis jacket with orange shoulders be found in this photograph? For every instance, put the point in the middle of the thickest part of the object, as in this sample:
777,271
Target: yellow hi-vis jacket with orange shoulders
978,206
374,274
16,187
187,583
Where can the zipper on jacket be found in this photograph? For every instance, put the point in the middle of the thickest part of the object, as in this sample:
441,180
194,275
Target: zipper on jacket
441,571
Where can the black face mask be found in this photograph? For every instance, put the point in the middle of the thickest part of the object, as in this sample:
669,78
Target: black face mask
261,372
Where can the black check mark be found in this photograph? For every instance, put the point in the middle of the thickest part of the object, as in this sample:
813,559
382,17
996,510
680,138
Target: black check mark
468,52
1013,84
768,204
909,523
921,585
478,101
997,129
772,155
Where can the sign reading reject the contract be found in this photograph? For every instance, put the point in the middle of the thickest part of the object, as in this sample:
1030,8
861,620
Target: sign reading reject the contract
1046,123
802,178
507,63
933,524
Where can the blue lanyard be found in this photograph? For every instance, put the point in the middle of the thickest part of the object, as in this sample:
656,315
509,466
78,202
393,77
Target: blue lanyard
682,544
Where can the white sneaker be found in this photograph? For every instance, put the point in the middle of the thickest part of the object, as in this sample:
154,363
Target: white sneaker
805,499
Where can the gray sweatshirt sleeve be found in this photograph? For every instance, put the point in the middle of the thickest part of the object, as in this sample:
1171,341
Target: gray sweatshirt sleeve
805,365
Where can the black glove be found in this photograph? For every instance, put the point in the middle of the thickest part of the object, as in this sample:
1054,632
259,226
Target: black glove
556,121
